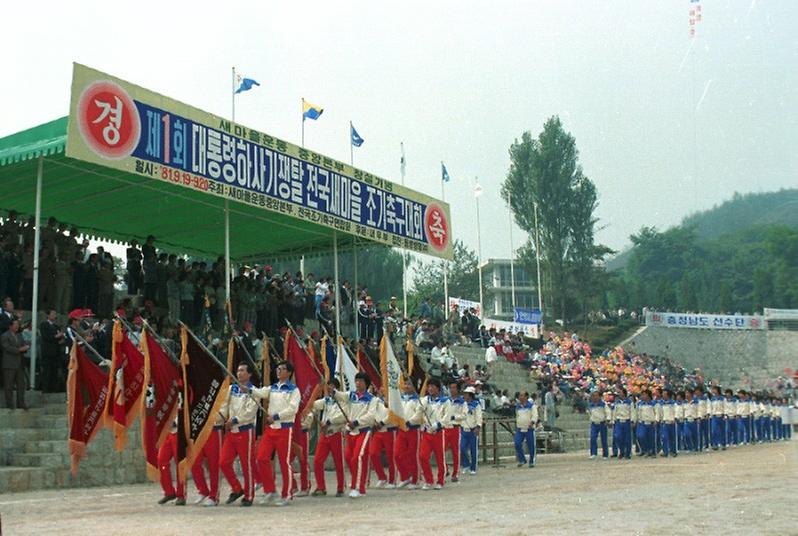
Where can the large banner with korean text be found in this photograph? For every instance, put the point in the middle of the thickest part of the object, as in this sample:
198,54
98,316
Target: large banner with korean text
702,321
120,125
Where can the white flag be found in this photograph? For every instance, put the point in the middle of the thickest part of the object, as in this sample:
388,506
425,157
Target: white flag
391,374
344,365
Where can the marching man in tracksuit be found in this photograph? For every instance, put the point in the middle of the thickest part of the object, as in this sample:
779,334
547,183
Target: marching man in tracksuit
470,431
360,407
703,415
452,422
209,496
743,413
166,452
332,423
730,412
668,424
526,419
599,414
284,398
717,419
646,414
239,413
383,439
622,427
407,441
691,422
433,409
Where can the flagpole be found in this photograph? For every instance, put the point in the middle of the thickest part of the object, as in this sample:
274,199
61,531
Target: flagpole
445,262
337,293
477,193
227,206
351,147
537,260
512,251
355,298
37,231
404,253
303,122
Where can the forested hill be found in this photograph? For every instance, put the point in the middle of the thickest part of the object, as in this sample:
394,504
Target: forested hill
741,212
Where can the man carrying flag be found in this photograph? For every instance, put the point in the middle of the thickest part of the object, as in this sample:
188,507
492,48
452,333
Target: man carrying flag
332,422
167,452
284,398
239,413
359,406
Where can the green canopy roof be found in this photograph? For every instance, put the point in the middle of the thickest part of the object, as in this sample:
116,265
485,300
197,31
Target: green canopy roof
112,205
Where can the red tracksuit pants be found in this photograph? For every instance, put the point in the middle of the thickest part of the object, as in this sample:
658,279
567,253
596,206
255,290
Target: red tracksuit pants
357,459
300,439
166,453
241,444
432,443
276,439
406,449
383,441
210,454
329,444
452,442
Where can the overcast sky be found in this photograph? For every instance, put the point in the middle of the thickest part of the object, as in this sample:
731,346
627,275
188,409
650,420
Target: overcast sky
666,125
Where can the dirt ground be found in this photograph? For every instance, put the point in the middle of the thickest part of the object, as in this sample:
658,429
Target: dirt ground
746,490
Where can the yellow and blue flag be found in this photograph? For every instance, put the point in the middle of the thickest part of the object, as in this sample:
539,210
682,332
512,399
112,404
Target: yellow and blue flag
310,111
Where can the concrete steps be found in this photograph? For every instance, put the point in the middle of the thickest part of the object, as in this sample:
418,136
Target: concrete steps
34,452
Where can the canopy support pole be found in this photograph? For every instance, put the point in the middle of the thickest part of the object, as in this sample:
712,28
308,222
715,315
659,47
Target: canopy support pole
337,292
446,309
34,321
227,250
355,294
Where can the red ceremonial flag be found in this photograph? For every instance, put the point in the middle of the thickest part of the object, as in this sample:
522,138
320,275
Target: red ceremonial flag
365,364
125,384
87,391
205,386
162,378
306,373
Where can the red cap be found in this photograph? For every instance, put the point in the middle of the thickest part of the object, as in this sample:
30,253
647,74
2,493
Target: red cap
137,320
76,313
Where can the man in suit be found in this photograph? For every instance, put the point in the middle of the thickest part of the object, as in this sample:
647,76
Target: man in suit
6,315
52,360
13,364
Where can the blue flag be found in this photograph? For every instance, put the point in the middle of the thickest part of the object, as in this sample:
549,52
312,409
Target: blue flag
246,85
357,141
444,173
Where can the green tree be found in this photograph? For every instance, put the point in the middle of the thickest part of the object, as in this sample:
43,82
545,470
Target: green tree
545,173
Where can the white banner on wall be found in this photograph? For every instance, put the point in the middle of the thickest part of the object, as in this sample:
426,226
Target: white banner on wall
529,330
462,305
702,321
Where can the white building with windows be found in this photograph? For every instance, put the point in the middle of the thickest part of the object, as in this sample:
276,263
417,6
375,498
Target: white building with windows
499,288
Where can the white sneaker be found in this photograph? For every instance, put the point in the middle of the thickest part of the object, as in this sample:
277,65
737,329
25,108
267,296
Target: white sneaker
472,472
200,500
210,502
426,487
437,487
268,498
302,493
389,486
403,483
412,486
280,502
592,456
380,484
354,494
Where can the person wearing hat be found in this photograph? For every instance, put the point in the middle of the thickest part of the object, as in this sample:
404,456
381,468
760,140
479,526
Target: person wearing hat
526,419
470,430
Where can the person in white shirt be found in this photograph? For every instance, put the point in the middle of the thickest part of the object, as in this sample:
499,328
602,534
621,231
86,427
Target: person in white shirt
526,419
490,354
433,407
622,424
668,423
239,412
599,414
284,398
452,422
407,440
327,413
470,431
360,407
